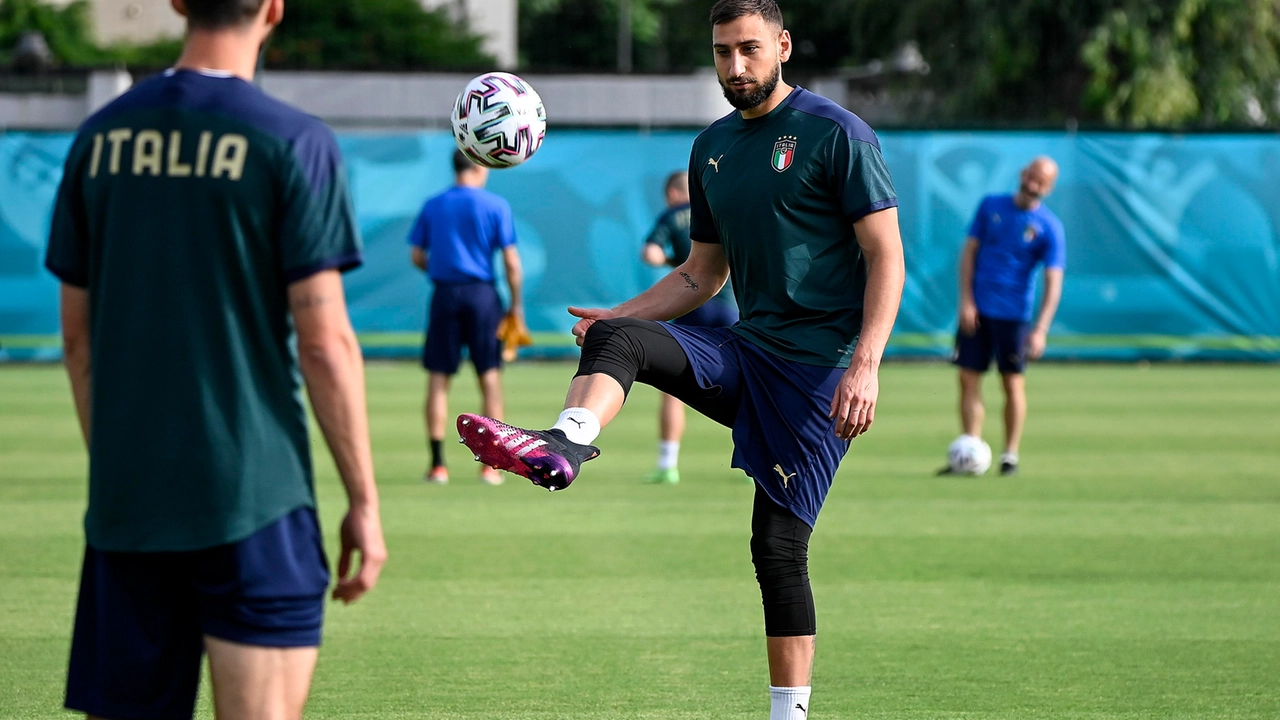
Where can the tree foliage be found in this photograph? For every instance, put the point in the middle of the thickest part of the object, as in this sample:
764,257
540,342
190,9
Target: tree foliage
68,32
1126,63
373,35
316,34
667,35
1188,62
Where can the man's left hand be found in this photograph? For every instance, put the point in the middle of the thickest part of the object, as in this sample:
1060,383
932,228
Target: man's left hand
1035,344
854,405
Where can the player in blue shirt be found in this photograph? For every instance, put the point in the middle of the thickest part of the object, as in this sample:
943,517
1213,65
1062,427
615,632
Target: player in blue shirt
454,241
1010,237
668,244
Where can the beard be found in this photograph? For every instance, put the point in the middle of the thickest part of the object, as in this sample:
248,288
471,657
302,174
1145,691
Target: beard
752,99
1026,191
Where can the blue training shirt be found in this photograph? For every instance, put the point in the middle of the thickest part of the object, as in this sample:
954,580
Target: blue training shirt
1011,243
461,229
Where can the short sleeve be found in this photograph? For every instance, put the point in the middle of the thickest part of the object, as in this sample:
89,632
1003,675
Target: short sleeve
978,228
660,235
860,177
67,256
319,229
418,236
702,226
506,235
1055,252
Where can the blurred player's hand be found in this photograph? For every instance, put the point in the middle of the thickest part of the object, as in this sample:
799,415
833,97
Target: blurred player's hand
1036,341
589,317
361,531
854,405
514,334
968,318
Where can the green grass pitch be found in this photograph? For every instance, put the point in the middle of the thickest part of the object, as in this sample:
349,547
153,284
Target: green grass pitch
1132,570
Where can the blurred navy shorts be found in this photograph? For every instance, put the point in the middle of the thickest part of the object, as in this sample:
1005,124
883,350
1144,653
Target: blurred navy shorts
712,313
463,314
1004,339
142,616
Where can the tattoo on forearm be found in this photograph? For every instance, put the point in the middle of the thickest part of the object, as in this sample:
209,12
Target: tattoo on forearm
312,301
689,281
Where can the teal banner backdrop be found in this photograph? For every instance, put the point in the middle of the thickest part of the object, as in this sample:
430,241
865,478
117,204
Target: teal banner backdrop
1173,241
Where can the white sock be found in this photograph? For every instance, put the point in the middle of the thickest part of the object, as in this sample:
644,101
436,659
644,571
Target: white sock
668,454
789,703
1011,458
578,424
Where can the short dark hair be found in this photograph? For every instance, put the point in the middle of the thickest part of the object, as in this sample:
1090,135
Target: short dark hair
221,14
729,10
462,163
678,180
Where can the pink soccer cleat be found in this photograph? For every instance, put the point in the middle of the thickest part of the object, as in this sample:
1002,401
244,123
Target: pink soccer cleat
546,457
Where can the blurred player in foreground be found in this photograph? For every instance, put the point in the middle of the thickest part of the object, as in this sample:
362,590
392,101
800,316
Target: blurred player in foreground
668,244
200,228
792,194
454,241
1010,237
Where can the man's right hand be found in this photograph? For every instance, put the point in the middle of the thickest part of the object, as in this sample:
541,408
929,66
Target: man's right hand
362,531
968,317
589,317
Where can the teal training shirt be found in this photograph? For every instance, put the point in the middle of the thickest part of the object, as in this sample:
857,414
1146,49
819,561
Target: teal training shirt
186,208
781,193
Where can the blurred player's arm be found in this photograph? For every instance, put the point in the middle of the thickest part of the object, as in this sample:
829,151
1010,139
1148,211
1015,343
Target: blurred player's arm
854,405
655,246
418,241
680,291
334,372
968,308
653,254
75,352
1039,336
515,279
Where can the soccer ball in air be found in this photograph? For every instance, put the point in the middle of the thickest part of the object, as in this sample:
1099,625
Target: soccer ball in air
498,120
969,455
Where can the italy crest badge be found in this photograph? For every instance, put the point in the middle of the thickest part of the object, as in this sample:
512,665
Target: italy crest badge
784,151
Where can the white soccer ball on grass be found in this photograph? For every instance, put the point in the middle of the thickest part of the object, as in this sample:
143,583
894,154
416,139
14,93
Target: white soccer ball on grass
969,455
498,120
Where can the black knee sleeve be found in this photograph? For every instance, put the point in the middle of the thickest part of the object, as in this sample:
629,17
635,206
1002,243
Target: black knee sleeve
623,348
780,552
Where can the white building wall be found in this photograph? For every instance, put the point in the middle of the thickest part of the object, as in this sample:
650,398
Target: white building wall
422,100
425,100
135,21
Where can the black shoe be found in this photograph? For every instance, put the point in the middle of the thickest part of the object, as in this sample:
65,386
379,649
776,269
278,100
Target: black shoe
1008,468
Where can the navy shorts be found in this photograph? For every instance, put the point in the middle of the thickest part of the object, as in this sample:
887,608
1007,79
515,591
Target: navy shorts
463,314
782,436
713,313
141,616
1004,339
